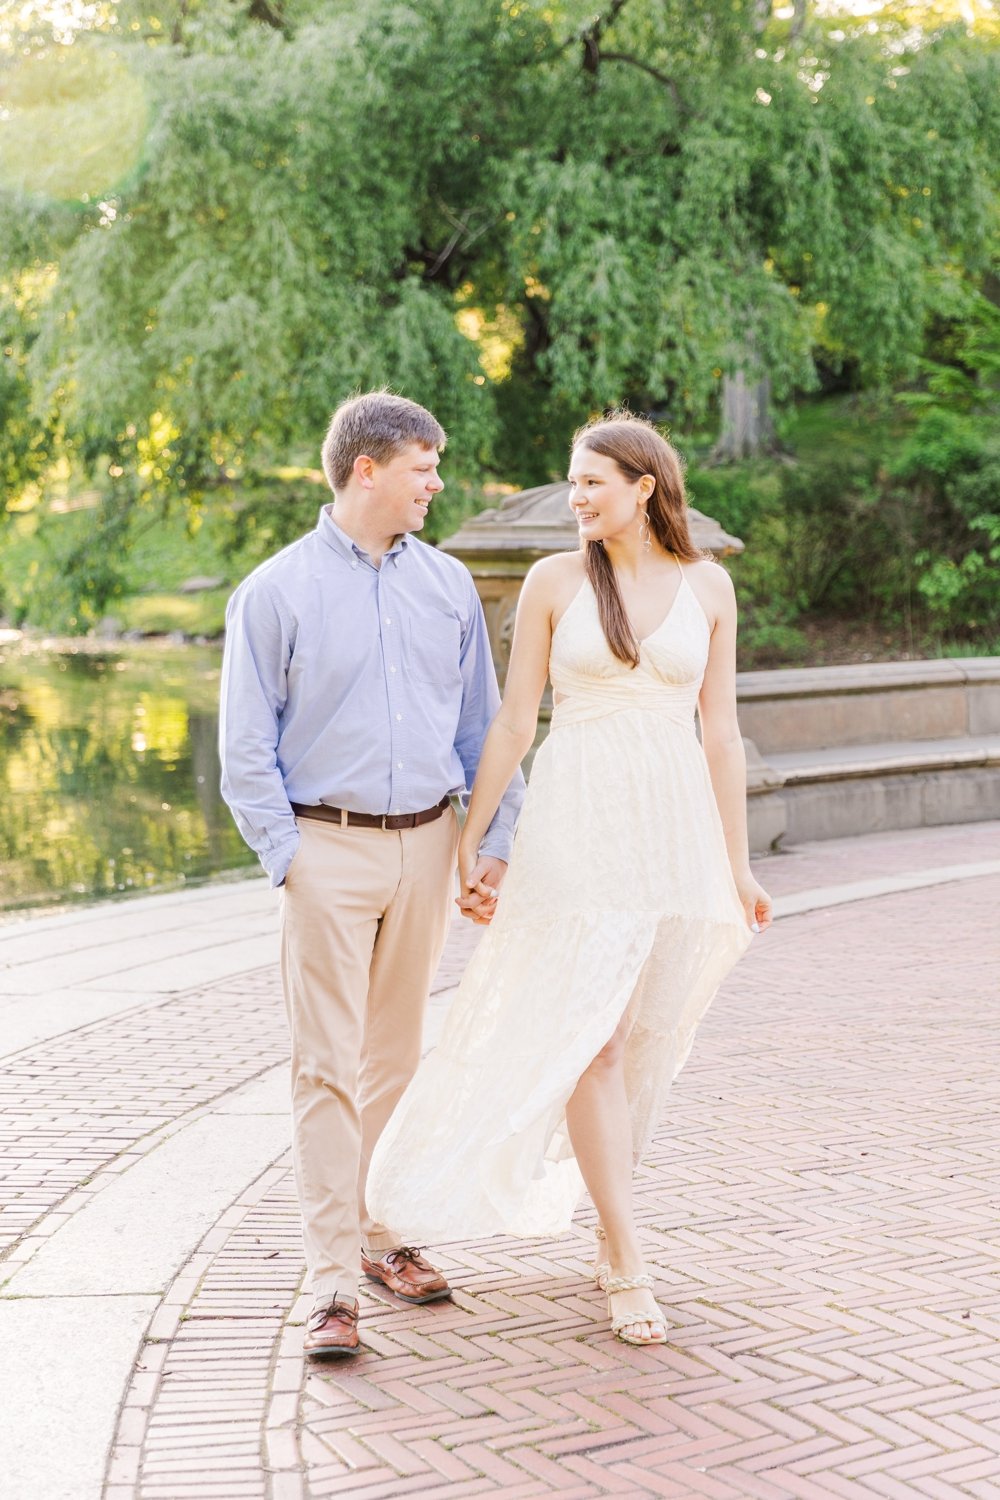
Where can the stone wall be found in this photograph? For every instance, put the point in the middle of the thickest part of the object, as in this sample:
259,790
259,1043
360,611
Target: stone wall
834,751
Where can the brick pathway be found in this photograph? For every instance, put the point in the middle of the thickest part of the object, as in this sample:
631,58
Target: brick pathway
79,1104
821,1209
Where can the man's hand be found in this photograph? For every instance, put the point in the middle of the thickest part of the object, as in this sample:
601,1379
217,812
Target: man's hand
480,888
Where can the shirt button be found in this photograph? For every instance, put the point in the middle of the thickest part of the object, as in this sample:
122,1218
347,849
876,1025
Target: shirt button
399,718
399,765
388,621
392,669
354,563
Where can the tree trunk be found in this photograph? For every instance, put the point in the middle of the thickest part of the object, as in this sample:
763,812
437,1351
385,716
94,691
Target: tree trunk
746,428
798,20
761,14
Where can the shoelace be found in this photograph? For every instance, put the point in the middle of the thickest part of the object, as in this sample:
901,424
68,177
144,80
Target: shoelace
334,1309
405,1254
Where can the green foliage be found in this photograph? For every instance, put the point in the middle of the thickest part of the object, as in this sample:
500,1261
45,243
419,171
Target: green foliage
137,579
27,446
64,575
814,534
952,465
951,470
735,494
515,213
970,381
870,522
192,615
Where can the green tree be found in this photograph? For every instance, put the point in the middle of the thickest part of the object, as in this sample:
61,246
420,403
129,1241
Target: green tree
516,212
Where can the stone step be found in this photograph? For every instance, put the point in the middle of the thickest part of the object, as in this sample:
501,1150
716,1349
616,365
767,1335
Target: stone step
803,708
807,794
888,758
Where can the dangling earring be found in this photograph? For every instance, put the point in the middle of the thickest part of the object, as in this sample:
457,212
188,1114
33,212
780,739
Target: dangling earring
644,536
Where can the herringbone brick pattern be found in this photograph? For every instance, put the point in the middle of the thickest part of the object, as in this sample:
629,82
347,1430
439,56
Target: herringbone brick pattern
870,856
822,1208
212,1385
72,1109
72,1106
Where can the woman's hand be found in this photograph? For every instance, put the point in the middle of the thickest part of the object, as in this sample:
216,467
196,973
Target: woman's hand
755,901
480,877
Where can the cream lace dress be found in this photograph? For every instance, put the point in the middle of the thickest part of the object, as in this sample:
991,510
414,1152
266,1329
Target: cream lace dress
619,898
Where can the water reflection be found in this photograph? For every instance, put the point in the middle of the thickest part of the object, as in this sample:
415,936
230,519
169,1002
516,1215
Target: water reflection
109,773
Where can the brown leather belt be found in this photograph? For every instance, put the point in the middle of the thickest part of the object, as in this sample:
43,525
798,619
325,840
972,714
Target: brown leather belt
391,821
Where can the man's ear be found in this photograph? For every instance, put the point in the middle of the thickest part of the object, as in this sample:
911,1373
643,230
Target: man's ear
364,470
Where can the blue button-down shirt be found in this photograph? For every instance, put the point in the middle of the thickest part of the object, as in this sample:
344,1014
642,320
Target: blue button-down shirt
367,688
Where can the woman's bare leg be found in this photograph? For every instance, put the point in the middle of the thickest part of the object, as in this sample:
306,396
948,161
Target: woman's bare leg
600,1128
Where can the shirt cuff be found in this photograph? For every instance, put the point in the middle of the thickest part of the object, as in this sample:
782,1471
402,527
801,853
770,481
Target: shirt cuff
277,862
497,845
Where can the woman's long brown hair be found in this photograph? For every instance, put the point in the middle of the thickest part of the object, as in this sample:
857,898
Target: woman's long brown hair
637,448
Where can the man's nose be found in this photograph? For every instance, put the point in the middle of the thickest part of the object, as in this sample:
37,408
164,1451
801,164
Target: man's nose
436,483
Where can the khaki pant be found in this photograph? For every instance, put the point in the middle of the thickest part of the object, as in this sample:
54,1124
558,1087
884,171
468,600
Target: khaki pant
364,916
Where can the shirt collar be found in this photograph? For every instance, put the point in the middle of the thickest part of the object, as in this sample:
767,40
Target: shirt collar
334,537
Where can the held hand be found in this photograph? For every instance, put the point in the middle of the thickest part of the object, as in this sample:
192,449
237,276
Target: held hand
756,903
481,878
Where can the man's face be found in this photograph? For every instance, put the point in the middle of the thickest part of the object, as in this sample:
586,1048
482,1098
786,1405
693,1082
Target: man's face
404,487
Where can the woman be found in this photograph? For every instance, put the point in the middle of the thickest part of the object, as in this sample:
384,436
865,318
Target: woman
629,895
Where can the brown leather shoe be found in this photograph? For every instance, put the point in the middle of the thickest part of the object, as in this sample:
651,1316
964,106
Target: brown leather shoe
406,1274
332,1329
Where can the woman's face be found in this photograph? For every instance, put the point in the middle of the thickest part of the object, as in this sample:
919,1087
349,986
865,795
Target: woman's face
604,503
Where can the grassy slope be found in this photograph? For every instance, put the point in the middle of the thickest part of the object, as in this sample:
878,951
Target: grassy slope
164,555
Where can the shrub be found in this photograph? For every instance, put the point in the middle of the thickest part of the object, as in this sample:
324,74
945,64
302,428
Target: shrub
951,469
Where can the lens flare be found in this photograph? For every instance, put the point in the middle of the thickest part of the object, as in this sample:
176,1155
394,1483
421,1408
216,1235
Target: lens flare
73,121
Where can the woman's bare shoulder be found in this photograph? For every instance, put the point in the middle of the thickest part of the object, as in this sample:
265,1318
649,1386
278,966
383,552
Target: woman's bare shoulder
554,576
558,565
715,575
712,584
551,585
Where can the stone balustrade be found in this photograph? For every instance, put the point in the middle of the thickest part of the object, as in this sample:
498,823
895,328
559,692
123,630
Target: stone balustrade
833,751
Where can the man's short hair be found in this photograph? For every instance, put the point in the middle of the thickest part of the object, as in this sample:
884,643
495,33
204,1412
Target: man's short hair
379,424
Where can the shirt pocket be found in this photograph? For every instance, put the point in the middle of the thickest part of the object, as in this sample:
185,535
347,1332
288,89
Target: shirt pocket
433,646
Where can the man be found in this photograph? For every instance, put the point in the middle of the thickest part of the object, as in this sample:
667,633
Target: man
357,688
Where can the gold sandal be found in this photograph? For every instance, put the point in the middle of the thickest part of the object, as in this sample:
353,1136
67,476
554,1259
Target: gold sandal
615,1284
602,1268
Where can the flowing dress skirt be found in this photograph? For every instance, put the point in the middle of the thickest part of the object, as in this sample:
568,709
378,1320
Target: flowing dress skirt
619,900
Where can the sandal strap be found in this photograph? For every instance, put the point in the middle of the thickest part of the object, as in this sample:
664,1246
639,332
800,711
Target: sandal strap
617,1324
615,1284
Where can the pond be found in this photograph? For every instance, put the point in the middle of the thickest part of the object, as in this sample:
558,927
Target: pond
109,773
